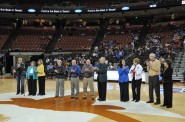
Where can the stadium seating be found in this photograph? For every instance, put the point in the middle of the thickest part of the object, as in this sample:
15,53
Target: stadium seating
4,33
76,40
32,39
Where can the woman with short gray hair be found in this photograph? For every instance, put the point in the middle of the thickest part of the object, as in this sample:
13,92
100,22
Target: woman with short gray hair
32,78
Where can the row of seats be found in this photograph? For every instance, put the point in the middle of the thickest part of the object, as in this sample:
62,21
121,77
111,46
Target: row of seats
4,34
123,37
32,39
75,43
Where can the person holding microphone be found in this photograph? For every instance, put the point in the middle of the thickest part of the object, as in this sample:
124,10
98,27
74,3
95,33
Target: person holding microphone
136,75
59,76
123,72
20,73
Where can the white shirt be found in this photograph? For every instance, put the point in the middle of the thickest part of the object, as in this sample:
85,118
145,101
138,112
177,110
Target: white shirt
31,70
138,71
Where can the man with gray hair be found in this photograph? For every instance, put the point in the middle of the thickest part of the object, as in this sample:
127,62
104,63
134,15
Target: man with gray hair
74,73
102,79
153,68
88,72
60,76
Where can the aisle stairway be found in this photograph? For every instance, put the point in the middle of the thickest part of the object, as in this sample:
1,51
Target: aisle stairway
179,66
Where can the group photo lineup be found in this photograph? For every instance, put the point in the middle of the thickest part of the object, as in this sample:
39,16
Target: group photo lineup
92,61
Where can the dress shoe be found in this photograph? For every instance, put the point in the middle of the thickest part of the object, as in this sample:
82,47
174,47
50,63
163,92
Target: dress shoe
133,100
169,107
101,100
56,96
157,103
137,101
72,97
150,101
42,94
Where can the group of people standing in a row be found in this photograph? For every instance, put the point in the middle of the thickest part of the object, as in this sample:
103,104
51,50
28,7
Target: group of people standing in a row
155,70
33,74
153,67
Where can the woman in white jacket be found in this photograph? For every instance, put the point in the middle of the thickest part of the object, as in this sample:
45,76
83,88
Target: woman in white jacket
136,75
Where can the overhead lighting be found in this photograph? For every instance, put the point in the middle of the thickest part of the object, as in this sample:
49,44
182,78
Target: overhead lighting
78,11
153,6
31,10
183,2
125,8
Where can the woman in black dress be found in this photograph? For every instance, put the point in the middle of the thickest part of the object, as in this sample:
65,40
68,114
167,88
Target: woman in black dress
167,84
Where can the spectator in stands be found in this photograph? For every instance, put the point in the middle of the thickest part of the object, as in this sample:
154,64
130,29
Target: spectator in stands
49,69
136,73
32,79
20,75
117,55
1,68
88,72
60,71
110,67
73,74
47,60
123,72
96,64
153,68
167,84
162,64
41,77
102,79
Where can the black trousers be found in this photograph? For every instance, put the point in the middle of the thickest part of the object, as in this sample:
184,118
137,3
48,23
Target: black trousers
102,90
168,94
124,92
1,70
136,87
154,84
32,87
41,80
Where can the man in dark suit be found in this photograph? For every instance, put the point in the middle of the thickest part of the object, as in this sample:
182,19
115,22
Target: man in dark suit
102,79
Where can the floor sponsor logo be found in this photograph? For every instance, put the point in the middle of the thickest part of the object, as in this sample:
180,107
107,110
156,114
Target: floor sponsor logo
175,90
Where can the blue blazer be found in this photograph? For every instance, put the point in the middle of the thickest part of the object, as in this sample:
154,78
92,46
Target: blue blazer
35,77
123,74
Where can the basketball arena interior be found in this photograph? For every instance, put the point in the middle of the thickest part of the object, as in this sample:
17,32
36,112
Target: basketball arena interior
92,60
